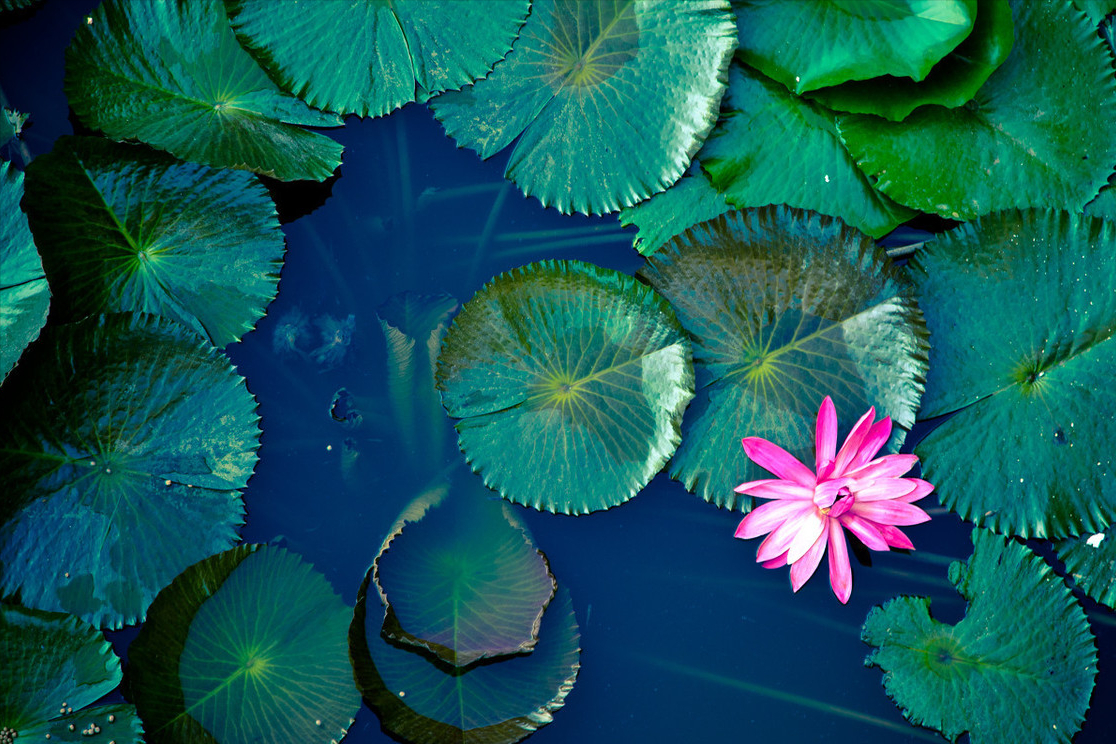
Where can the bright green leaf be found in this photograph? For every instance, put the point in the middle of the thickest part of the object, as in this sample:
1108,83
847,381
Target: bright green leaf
24,294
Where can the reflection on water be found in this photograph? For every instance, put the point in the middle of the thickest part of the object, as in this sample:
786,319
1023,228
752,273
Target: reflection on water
336,336
295,336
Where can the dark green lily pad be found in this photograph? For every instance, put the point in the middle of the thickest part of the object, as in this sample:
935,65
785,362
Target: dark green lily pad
808,45
1037,134
784,307
773,147
125,228
610,99
1091,560
174,76
389,54
1018,667
246,646
54,666
570,381
24,294
690,201
124,444
1022,313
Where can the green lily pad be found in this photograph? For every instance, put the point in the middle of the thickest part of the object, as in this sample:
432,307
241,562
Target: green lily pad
1018,667
174,76
1097,10
391,53
124,444
249,645
1091,560
125,228
952,82
784,307
24,294
1021,310
54,665
570,381
495,703
746,157
1104,205
610,99
825,42
690,201
1037,134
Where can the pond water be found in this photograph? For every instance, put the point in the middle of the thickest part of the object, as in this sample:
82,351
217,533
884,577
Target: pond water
684,637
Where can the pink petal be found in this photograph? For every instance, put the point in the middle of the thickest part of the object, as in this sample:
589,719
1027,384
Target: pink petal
922,488
887,466
775,489
825,493
826,440
805,566
777,562
840,572
866,530
890,512
884,488
767,517
782,536
774,458
852,443
810,527
876,438
895,537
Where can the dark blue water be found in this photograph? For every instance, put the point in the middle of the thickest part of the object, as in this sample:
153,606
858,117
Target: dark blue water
684,637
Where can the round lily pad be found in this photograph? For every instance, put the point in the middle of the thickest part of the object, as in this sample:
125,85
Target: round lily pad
570,381
249,645
784,307
1021,311
609,100
174,76
124,444
1091,561
125,228
24,294
1018,667
390,54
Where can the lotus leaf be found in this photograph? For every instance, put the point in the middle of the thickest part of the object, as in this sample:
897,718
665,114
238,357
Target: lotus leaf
24,294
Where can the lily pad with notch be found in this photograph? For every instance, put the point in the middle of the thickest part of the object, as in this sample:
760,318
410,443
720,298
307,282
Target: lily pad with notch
24,293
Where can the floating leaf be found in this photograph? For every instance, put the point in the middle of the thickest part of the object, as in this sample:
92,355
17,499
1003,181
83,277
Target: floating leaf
1022,313
173,75
1104,206
24,294
124,228
610,99
1097,10
1018,667
690,201
246,646
811,45
391,53
1091,560
773,147
1037,134
570,381
784,307
124,444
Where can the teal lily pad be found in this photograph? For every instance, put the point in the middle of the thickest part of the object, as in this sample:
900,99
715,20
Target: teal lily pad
746,157
124,444
1038,133
249,645
570,381
125,228
24,293
1018,667
1021,310
658,219
784,307
1097,10
54,666
174,76
390,54
1091,561
825,42
1104,205
609,99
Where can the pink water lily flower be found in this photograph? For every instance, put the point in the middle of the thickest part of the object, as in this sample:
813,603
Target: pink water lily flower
849,490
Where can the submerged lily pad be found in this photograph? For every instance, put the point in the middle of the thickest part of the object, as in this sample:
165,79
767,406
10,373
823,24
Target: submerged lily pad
1018,667
246,646
1022,313
1091,560
610,99
174,76
390,53
24,294
124,228
124,443
784,307
570,381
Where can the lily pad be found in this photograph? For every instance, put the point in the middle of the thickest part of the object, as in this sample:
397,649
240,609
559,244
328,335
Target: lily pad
54,665
1037,134
1097,10
773,147
570,381
610,99
174,76
1104,206
825,42
24,294
1022,313
690,201
125,228
390,54
1091,560
784,307
246,646
124,444
1018,667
